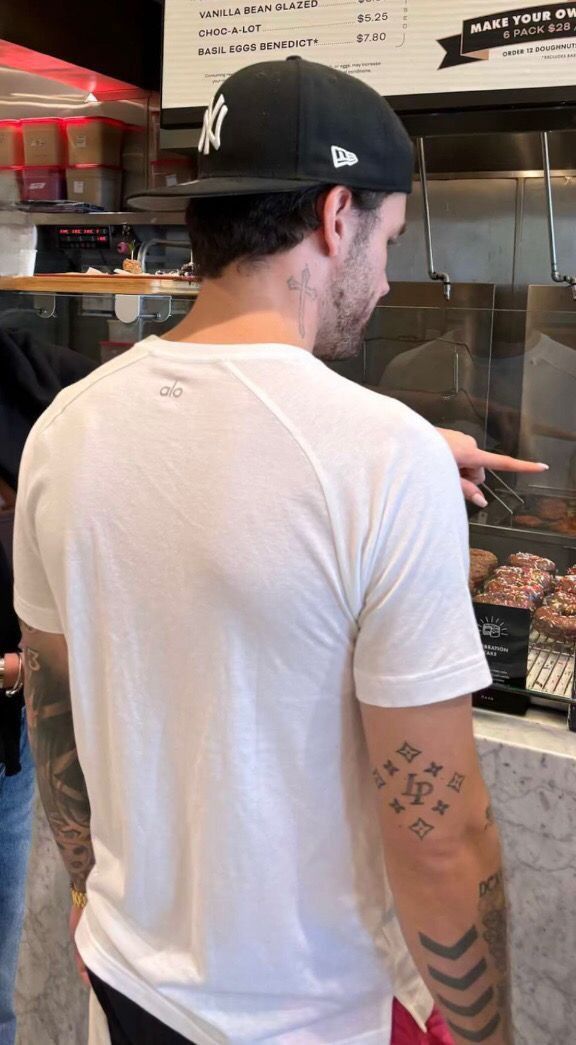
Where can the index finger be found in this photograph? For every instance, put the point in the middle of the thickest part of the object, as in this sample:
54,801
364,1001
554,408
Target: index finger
501,463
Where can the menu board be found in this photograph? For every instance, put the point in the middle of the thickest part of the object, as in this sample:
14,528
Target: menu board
405,49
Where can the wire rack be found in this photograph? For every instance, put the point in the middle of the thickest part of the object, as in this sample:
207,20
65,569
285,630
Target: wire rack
551,666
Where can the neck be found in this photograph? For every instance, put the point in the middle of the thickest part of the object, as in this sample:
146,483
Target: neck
273,300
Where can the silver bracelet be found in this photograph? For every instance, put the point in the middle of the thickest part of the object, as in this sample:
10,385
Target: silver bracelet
19,680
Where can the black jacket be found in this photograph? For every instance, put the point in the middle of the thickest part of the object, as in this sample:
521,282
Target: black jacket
31,375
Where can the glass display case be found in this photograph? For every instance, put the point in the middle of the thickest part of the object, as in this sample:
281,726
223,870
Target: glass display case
507,376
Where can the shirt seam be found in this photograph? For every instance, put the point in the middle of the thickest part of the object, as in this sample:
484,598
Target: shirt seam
96,380
270,405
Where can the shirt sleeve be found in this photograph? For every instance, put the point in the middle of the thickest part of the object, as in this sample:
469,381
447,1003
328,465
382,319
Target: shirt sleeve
418,641
33,598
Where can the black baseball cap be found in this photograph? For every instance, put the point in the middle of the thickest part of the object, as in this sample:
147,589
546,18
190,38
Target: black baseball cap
283,126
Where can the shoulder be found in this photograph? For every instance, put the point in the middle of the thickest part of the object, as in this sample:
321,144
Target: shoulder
377,429
72,400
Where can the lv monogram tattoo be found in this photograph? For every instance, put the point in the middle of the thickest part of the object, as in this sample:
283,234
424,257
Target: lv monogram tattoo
424,785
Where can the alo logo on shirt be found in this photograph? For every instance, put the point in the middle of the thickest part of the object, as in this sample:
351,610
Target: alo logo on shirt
172,391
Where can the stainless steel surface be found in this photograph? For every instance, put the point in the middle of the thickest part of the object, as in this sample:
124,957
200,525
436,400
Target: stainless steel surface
441,277
499,155
542,298
173,244
466,296
127,217
557,276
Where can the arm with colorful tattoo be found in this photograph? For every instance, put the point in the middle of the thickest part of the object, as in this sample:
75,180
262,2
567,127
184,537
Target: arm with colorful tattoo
51,730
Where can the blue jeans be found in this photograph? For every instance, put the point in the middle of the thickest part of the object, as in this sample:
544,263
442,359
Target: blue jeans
16,806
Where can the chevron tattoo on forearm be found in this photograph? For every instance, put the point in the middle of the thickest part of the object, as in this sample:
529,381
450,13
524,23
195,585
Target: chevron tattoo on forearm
460,983
457,949
468,1010
481,955
477,1035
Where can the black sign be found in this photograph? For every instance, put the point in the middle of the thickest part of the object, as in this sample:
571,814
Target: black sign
520,25
505,632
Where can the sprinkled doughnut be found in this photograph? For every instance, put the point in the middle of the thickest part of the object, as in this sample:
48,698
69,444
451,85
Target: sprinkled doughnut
536,562
556,625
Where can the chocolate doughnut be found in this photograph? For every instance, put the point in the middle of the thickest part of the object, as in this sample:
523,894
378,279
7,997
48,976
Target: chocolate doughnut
480,555
527,591
528,522
554,624
523,575
534,561
551,508
567,526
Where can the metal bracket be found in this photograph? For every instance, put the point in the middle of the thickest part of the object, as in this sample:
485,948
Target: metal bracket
442,277
162,307
129,307
44,305
557,276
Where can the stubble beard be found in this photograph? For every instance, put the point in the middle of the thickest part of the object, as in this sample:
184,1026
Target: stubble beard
350,306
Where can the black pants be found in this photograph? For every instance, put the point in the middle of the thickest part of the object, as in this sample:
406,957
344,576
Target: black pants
128,1023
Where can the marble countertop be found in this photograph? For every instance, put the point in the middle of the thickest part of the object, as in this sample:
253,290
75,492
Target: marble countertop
540,730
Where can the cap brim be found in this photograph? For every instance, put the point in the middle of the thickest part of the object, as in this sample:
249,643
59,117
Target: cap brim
174,197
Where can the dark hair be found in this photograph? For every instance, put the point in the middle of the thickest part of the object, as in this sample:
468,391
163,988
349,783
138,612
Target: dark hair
224,229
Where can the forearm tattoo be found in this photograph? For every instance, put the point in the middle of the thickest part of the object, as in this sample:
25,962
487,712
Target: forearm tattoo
60,778
482,958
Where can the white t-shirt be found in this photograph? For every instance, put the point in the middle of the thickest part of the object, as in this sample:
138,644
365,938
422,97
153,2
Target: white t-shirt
237,543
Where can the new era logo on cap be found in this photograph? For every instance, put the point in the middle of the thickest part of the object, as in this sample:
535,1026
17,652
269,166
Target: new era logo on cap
342,158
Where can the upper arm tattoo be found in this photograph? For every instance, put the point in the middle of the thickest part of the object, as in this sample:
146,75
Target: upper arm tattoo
60,779
421,791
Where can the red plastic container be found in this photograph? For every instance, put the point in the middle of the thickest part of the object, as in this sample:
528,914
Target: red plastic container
43,183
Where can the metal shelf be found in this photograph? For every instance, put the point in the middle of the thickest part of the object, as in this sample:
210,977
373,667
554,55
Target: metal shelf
129,217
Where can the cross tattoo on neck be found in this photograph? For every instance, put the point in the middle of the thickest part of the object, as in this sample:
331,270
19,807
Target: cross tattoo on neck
305,291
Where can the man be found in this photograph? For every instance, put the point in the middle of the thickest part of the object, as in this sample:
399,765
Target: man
230,562
31,374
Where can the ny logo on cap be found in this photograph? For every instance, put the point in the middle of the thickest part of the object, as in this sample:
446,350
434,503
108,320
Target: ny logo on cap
343,158
212,126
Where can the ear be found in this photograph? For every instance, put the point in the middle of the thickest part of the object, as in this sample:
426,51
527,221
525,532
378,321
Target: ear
336,220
